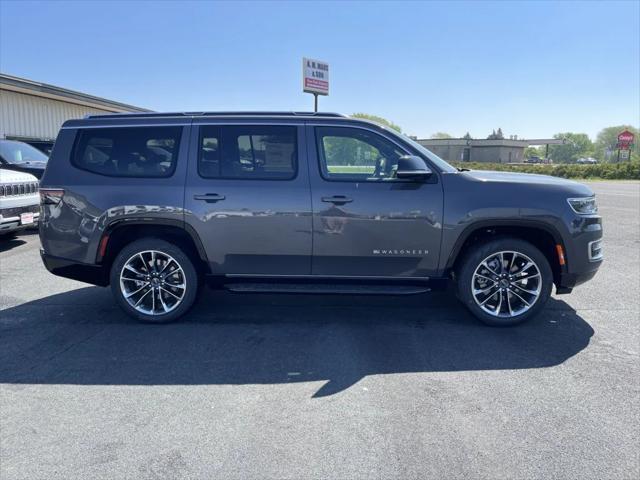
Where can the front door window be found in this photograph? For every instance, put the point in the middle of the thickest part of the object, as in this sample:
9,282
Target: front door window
356,154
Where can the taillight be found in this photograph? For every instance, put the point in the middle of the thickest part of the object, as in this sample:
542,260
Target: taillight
102,247
51,196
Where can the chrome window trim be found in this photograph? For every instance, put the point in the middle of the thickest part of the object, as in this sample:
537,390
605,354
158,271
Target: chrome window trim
127,125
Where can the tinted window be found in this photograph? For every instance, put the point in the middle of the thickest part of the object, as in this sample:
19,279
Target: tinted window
248,152
356,154
129,152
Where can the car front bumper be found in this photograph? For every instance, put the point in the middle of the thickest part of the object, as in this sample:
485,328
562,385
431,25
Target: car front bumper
584,254
10,218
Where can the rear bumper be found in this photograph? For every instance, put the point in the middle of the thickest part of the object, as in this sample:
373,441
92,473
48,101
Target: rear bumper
93,274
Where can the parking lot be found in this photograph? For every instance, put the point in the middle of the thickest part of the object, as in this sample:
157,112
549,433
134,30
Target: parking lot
284,386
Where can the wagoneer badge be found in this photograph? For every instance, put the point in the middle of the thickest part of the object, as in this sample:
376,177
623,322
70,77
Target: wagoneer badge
401,252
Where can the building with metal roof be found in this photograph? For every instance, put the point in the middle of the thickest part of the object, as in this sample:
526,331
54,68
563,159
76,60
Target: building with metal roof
33,112
508,150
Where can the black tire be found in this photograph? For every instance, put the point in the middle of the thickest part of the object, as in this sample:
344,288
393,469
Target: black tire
472,261
179,256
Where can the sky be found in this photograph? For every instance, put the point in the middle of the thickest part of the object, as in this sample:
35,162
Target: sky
532,68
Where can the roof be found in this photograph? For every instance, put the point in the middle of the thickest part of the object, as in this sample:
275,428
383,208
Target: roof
38,89
184,118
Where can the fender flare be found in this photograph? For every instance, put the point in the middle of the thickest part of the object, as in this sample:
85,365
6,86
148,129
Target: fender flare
483,224
124,222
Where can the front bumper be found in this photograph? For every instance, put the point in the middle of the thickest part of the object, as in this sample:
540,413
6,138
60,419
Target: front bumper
570,280
583,258
10,219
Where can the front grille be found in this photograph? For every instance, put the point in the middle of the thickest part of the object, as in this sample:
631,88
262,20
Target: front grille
18,189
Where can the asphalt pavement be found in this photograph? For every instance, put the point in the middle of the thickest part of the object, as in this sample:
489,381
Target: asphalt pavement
301,387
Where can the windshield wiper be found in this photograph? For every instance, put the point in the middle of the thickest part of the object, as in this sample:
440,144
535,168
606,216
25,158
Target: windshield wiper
464,169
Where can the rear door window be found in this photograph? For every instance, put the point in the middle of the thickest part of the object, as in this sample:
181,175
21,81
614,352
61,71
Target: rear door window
128,151
251,152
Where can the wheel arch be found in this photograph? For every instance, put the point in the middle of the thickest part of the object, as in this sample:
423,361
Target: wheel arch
120,233
543,236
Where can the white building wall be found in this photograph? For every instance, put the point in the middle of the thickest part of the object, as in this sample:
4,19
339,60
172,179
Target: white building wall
29,116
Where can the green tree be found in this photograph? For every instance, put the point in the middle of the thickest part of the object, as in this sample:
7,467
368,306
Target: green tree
377,119
343,151
496,135
534,152
576,145
605,144
442,135
467,136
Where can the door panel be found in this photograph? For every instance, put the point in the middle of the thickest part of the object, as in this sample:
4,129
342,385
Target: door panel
366,222
252,217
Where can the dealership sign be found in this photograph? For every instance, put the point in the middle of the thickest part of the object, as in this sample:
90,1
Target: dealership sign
315,76
625,140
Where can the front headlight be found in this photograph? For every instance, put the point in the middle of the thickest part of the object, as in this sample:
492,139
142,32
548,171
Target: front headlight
583,206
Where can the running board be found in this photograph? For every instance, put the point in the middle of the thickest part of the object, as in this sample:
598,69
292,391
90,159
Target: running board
320,288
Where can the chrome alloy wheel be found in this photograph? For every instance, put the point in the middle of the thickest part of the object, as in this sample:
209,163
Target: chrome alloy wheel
153,282
506,284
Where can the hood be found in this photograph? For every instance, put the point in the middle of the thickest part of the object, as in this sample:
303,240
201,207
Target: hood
547,181
12,176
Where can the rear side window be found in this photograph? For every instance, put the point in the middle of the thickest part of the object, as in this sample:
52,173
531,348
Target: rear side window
128,151
260,152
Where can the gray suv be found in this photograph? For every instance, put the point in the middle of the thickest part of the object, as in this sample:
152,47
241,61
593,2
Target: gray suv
155,204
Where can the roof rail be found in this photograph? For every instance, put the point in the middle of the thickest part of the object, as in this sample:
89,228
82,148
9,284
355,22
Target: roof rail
216,114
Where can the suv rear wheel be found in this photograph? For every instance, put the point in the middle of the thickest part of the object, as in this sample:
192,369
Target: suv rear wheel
505,281
153,280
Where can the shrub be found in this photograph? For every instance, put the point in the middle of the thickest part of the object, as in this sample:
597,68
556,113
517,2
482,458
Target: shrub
609,171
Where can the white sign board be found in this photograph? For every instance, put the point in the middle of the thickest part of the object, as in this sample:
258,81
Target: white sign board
315,76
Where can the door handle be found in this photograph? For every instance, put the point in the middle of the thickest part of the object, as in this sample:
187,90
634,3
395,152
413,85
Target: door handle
209,197
337,199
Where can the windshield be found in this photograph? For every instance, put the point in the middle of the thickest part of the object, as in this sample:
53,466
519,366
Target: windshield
442,164
20,153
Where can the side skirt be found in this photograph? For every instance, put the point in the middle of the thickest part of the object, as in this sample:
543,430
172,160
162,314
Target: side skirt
303,284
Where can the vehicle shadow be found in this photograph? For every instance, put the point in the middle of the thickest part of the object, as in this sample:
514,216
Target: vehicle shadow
8,241
80,337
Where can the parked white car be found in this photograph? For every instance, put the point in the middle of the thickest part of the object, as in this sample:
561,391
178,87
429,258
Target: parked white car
19,201
587,161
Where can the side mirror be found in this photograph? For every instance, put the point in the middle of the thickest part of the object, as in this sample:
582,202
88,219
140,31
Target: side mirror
410,166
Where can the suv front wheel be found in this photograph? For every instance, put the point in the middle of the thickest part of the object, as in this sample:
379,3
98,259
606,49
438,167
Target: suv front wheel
505,281
154,281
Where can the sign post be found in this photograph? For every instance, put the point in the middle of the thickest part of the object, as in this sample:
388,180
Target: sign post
625,144
315,79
